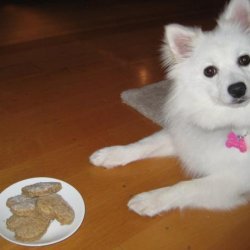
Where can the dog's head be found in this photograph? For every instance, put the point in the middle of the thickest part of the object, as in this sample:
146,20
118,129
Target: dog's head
212,66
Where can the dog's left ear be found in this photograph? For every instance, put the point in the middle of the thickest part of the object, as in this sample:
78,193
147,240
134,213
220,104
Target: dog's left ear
238,12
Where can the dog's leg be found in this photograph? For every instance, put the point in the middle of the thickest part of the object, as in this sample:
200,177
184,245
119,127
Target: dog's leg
156,145
209,192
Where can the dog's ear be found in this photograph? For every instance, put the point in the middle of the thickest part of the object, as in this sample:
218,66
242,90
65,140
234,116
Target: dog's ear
237,11
180,40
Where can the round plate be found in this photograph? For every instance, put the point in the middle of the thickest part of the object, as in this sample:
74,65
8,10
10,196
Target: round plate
55,232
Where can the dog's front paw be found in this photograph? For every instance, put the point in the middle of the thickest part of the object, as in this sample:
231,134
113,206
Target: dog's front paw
149,203
109,157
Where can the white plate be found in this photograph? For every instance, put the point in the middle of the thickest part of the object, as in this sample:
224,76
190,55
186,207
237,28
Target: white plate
56,232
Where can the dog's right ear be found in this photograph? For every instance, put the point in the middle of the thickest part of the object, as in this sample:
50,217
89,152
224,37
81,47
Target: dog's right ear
180,40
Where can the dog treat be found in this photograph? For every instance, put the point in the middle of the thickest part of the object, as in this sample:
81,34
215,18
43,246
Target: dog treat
28,228
55,207
35,208
41,189
21,205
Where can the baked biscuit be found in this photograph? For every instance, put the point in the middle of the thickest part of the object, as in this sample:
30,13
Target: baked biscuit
55,207
41,189
28,228
21,205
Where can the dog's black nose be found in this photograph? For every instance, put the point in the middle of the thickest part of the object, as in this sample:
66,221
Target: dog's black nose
237,90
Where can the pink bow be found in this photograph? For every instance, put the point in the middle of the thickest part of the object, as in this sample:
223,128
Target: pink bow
236,141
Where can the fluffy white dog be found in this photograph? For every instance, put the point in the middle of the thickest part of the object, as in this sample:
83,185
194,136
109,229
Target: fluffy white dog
207,114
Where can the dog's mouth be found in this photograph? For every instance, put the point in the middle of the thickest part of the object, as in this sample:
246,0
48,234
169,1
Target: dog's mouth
240,101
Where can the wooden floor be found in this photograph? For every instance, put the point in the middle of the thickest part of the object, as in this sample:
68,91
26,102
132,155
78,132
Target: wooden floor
63,65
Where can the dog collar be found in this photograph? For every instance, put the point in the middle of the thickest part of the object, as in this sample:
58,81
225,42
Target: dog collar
236,141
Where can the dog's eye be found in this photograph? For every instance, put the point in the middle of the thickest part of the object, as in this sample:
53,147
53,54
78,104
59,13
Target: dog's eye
244,60
210,71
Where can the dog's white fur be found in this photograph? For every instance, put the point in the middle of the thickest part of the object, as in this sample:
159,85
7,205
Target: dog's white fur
199,113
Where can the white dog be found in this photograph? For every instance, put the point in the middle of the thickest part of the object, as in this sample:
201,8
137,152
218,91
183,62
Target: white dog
207,114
